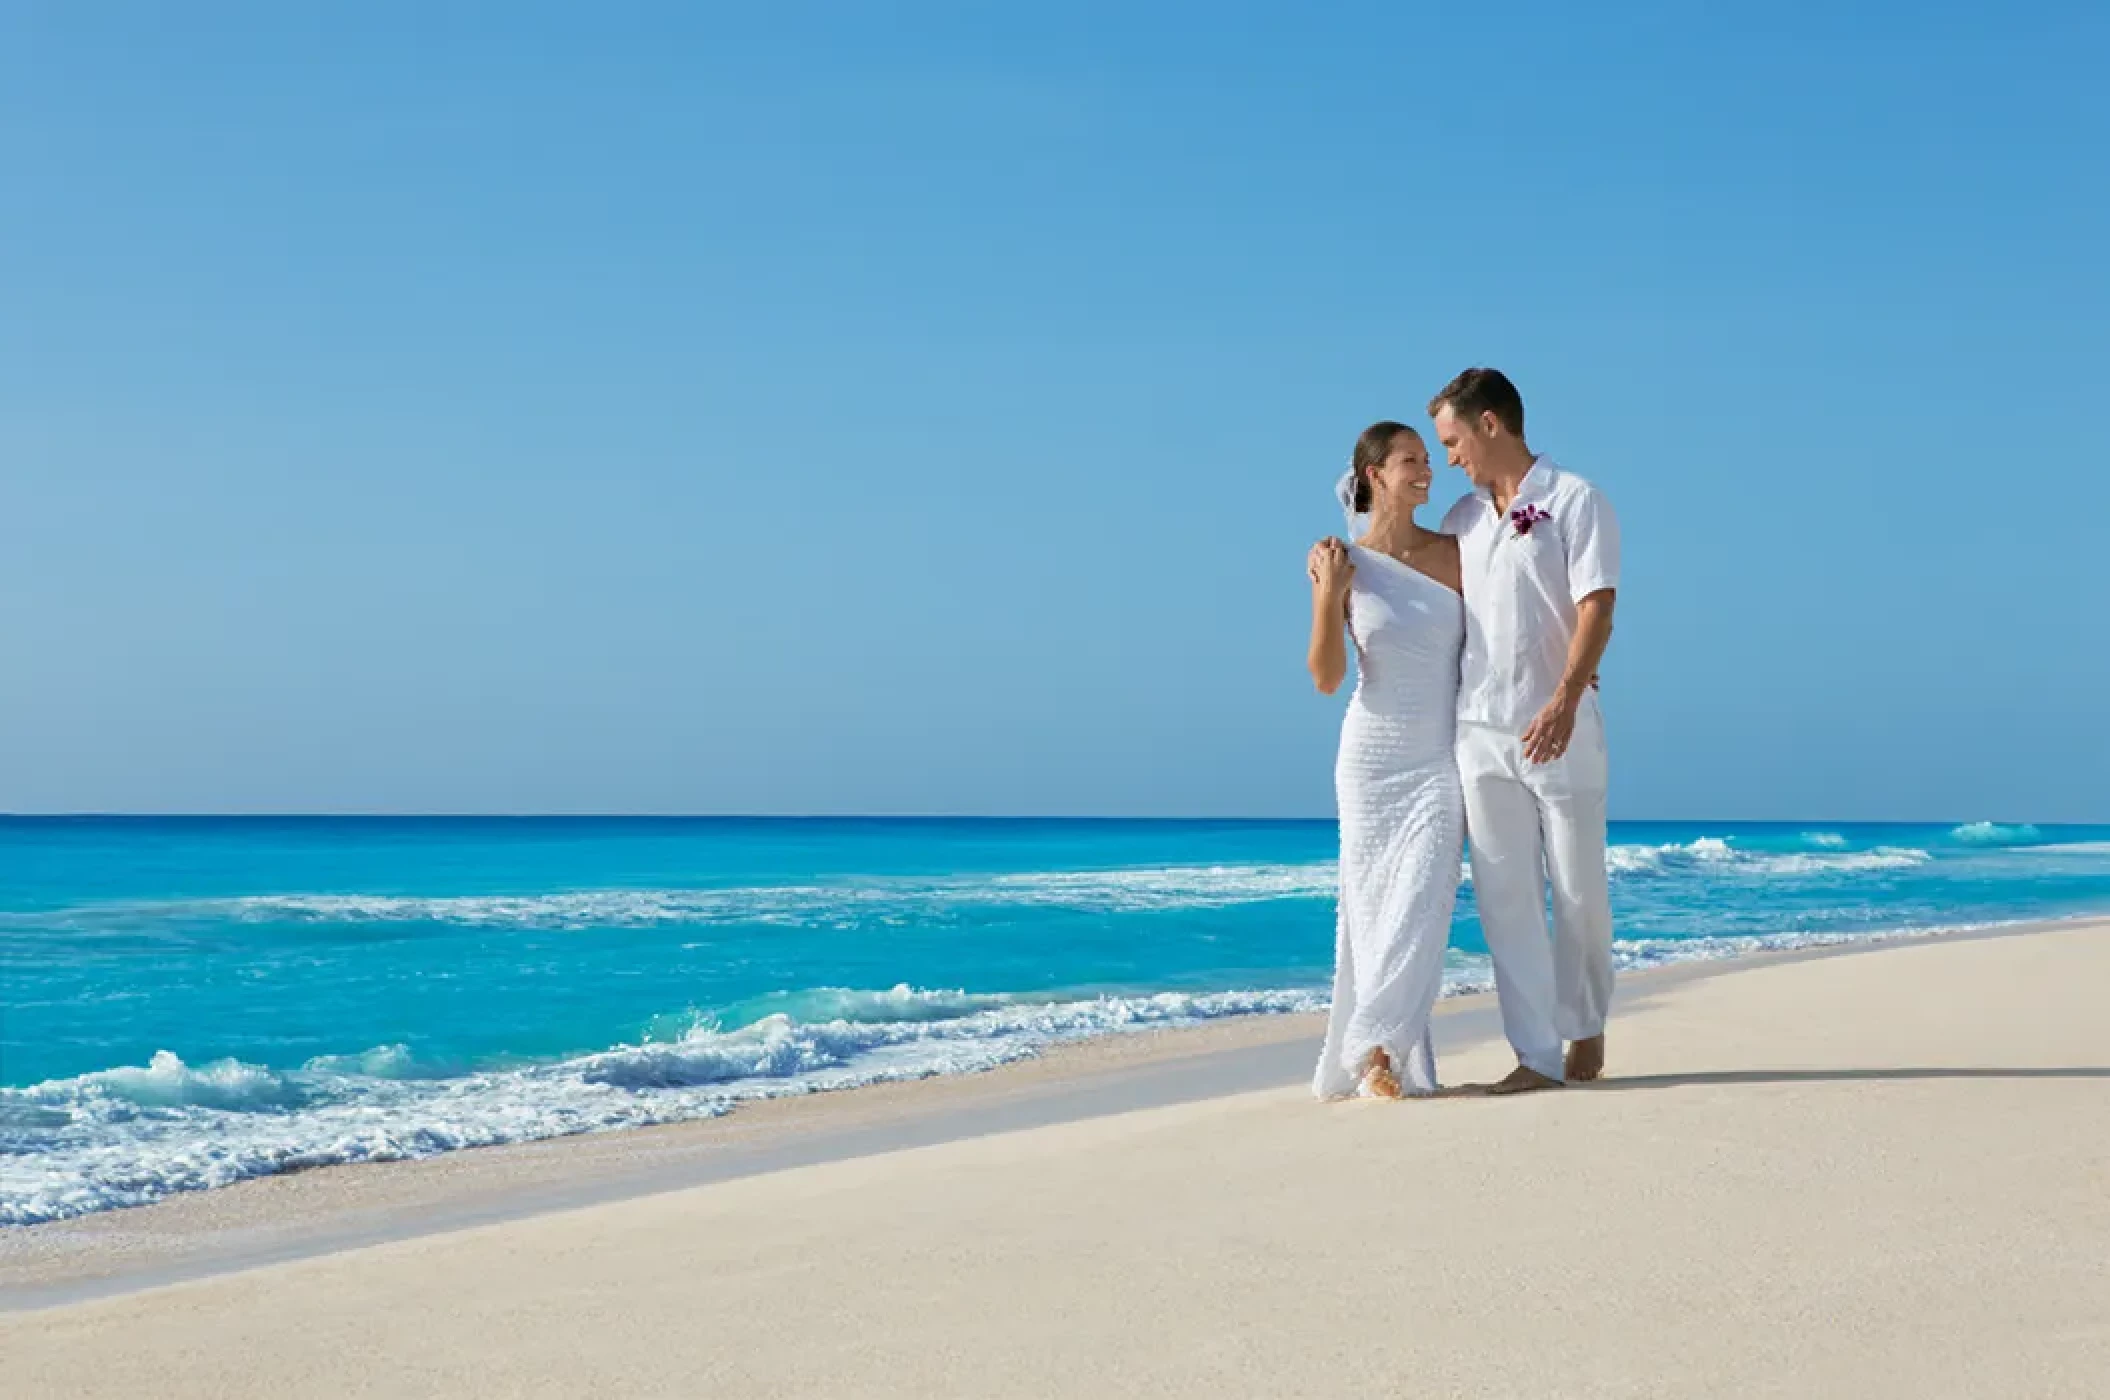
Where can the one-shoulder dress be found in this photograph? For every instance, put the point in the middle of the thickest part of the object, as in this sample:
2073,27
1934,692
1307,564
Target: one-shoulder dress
1402,816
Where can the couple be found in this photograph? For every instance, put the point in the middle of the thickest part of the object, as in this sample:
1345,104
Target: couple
1474,713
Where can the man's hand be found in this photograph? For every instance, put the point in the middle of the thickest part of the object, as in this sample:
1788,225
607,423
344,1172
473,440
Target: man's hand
1548,737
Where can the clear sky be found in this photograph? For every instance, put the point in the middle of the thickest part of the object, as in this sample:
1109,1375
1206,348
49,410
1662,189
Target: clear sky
787,408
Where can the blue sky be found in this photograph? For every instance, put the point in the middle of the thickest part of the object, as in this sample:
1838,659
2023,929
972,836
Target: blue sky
789,409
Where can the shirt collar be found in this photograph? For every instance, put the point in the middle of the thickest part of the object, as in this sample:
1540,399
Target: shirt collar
1537,482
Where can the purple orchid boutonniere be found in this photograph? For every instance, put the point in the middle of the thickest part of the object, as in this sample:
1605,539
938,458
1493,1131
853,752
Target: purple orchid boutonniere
1524,517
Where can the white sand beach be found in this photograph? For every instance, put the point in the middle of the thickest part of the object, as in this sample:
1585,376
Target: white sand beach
1878,1173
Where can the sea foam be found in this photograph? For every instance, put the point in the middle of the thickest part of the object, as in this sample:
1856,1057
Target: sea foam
131,1135
838,904
1713,855
1994,834
905,901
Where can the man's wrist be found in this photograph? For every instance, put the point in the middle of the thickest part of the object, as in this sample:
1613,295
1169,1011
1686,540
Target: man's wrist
1571,692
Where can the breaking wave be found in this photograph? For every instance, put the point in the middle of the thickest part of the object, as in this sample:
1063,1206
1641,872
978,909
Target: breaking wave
1119,891
901,902
136,1134
1711,855
1994,834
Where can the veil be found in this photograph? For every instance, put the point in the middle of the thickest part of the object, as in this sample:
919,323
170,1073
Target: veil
1344,493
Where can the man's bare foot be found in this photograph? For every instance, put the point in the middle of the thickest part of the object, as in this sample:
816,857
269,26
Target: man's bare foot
1585,1059
1522,1080
1378,1077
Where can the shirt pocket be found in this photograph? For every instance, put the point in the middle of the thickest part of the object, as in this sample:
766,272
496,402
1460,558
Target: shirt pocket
1539,549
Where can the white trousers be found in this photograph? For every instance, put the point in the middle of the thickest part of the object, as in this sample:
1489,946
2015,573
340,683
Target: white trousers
1531,824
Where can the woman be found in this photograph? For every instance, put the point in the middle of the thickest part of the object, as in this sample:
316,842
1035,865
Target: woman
1395,592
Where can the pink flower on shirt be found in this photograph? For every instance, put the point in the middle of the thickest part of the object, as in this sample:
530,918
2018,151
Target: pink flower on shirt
1524,517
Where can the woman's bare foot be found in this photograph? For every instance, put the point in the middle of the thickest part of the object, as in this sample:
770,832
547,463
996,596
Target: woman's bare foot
1378,1077
1522,1080
1585,1059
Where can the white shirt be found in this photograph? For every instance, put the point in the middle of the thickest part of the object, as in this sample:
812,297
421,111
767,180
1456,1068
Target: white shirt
1522,582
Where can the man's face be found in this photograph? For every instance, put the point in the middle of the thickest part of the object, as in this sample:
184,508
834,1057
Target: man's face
1465,441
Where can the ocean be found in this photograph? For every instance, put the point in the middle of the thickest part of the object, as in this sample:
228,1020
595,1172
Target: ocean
188,1002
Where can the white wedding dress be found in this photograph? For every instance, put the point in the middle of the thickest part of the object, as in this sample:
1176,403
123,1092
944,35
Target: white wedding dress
1402,824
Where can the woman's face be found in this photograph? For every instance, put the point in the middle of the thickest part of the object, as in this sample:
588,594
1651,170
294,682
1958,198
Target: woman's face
1404,477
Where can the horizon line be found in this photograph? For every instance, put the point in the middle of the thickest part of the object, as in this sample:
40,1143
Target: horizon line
373,815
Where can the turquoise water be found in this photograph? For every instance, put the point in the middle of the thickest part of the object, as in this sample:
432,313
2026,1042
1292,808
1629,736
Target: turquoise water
187,1002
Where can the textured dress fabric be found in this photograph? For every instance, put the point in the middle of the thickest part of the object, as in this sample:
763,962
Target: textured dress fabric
1402,824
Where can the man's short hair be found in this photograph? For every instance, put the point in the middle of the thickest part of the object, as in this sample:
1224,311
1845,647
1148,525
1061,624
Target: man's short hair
1479,391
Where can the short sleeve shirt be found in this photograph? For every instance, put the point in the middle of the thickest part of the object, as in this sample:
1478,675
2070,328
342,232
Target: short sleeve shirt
1524,574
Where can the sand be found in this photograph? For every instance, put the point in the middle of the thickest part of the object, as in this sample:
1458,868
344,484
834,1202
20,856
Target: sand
1879,1174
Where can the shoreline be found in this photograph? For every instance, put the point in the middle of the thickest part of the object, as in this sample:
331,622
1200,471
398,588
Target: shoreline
1862,1171
328,1210
474,1017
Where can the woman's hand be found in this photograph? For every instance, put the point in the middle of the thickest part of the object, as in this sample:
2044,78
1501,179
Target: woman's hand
1330,568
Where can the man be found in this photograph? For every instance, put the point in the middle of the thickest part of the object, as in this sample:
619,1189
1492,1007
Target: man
1539,549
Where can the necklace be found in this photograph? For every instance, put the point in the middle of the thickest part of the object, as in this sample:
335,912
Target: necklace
1406,548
